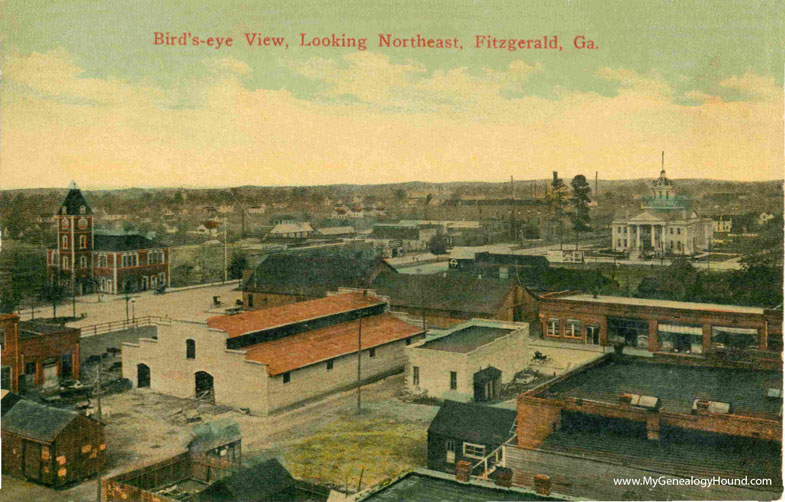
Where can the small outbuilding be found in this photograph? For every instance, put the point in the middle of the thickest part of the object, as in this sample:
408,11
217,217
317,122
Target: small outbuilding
471,432
51,446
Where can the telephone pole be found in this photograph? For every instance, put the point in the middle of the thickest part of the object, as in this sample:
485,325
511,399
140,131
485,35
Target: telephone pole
359,359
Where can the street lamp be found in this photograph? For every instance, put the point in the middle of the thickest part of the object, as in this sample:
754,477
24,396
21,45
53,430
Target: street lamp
133,310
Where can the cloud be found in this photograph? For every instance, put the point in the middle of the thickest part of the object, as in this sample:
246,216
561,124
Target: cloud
651,85
757,87
402,123
371,78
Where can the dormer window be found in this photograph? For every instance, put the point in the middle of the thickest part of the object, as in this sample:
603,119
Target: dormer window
82,210
62,210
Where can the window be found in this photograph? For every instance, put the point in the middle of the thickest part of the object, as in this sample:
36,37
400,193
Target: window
2,336
82,242
453,380
67,365
82,210
553,327
102,260
5,378
372,352
190,349
30,368
65,241
671,229
83,261
329,365
65,262
287,377
409,341
573,328
473,450
449,446
678,231
415,375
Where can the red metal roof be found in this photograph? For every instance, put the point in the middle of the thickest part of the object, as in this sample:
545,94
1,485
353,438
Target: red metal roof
257,320
293,352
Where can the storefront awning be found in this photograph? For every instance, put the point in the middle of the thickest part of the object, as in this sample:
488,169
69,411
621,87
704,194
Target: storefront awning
736,331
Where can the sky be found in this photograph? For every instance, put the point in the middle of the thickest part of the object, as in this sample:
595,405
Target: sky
86,94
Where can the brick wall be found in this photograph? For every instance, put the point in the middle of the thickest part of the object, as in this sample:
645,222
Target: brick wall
537,419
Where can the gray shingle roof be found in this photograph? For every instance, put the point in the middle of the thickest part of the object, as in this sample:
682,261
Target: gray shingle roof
312,275
125,242
473,423
35,421
74,201
434,291
260,482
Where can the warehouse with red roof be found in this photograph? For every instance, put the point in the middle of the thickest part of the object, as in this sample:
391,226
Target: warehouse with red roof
274,359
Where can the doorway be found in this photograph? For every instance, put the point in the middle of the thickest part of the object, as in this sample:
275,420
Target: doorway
31,460
593,334
142,375
204,385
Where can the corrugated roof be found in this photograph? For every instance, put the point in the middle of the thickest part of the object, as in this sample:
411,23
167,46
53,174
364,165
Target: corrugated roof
473,423
35,421
434,291
303,349
257,320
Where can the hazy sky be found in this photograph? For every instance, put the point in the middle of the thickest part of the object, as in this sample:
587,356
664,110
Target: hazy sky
87,96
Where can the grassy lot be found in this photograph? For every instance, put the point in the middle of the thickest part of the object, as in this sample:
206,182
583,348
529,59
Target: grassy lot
376,447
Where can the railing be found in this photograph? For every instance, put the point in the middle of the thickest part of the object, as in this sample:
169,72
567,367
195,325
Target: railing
112,326
491,461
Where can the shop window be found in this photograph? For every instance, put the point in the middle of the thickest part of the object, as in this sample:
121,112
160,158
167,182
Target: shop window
553,327
572,328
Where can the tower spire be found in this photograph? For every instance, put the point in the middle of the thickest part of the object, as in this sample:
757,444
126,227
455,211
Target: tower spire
662,171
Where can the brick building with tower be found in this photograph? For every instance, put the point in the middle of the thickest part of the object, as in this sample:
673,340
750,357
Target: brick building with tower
87,260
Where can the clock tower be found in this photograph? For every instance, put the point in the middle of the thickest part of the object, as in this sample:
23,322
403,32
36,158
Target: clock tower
75,241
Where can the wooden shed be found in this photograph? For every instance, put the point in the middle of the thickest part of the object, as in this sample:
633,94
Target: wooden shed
51,446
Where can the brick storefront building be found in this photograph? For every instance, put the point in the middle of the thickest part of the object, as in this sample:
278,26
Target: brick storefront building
37,354
696,329
88,260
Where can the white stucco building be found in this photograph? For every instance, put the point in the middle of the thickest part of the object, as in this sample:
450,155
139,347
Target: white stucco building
469,362
666,226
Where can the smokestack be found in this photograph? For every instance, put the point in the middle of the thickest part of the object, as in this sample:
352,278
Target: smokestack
596,179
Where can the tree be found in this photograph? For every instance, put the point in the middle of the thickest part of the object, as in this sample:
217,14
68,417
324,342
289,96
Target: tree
437,245
53,292
580,206
238,263
557,204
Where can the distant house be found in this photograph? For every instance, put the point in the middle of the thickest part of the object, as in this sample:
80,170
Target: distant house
51,446
469,362
260,209
209,227
170,229
289,278
336,232
462,431
446,301
340,213
291,231
225,209
722,224
283,219
764,218
413,237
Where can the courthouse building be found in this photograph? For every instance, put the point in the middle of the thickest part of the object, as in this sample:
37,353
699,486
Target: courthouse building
666,226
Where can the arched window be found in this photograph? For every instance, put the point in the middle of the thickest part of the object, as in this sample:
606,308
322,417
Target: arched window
83,262
190,349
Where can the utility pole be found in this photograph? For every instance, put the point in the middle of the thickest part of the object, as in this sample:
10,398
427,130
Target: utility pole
359,358
99,417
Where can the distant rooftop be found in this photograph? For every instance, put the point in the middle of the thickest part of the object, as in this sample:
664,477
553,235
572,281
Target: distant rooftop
430,486
645,302
467,339
677,386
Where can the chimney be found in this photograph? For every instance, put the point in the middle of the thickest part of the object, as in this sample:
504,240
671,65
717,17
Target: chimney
463,471
653,426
